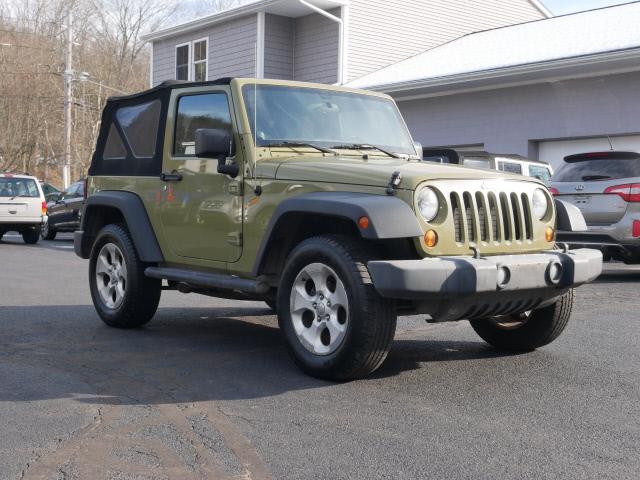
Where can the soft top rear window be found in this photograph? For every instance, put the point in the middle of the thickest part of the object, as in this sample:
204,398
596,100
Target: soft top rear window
598,169
18,187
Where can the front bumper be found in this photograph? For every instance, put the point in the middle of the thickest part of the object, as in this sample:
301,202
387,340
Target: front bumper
447,277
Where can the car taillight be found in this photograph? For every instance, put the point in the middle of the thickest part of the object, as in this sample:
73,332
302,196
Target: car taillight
629,192
44,208
636,228
554,191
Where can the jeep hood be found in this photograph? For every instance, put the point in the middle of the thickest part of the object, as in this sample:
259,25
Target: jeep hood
376,171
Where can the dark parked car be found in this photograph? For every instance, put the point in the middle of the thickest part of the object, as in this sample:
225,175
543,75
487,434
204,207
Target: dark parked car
64,211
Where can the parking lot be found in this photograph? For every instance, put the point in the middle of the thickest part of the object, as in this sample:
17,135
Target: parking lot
206,390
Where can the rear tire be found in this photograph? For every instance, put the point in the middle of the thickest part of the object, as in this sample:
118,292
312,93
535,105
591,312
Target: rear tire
31,236
48,232
539,328
335,324
122,295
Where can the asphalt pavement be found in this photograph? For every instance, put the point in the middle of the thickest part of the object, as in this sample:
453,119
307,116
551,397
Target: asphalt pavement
206,390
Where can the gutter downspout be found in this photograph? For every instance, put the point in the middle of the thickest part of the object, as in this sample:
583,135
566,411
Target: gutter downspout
342,57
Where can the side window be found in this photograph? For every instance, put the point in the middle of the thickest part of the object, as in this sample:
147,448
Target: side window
182,62
140,126
114,148
199,111
70,192
510,167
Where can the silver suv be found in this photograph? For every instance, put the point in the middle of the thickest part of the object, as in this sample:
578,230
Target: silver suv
605,186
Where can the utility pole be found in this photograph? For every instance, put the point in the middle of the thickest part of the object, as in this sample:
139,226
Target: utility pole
68,77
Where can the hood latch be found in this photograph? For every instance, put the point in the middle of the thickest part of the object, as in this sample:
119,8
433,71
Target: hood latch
394,181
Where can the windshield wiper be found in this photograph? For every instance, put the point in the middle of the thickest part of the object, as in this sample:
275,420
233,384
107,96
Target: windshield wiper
364,146
301,144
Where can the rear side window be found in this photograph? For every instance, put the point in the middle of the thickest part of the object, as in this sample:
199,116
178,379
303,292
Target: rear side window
541,173
18,187
140,126
599,169
131,139
209,110
510,167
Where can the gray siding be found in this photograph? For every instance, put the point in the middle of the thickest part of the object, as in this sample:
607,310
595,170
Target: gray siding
383,32
316,48
231,50
515,120
278,47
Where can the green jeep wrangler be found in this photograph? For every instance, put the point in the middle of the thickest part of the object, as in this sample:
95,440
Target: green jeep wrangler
313,199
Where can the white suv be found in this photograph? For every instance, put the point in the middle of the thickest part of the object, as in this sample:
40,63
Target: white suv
22,206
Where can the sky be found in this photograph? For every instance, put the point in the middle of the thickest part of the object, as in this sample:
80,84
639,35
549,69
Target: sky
560,7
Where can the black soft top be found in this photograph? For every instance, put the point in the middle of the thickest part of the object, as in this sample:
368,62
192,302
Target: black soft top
167,85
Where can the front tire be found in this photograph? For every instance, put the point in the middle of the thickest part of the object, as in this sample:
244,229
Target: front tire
533,330
122,295
335,325
31,236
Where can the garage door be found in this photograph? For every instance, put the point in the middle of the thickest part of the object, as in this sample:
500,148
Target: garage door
553,152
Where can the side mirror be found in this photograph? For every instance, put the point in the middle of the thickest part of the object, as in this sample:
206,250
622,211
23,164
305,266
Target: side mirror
217,143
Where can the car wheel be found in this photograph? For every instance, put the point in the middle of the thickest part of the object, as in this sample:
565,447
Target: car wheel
31,236
335,325
48,232
122,295
527,331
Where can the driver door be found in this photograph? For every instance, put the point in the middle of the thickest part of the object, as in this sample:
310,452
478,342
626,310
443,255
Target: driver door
201,210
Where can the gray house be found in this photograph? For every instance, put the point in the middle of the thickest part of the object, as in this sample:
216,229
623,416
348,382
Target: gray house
545,89
327,41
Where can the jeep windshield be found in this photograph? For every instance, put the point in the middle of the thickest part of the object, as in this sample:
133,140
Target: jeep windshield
326,119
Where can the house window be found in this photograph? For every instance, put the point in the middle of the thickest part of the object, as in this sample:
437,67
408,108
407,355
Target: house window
182,62
200,61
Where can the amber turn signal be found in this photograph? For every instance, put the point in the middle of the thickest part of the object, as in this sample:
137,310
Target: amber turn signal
431,238
549,234
363,222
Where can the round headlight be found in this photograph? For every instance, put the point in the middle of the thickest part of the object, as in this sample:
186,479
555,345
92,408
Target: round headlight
428,204
540,204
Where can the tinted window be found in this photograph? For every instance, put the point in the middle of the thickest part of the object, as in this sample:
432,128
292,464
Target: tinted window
18,187
510,167
539,172
199,111
593,170
140,126
114,148
71,192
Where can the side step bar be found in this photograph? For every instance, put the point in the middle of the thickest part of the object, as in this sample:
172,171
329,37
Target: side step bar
208,280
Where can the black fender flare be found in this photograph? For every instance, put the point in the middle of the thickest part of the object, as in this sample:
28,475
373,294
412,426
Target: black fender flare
389,217
135,215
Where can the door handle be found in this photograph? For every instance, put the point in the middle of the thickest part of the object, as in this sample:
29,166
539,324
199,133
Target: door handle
171,177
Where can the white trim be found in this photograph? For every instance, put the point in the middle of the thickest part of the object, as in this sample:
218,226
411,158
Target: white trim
192,64
260,41
538,67
151,66
540,6
343,73
341,41
175,60
220,17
